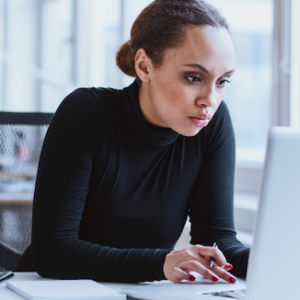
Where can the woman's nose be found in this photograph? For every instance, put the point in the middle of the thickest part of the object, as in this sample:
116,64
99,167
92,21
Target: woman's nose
206,98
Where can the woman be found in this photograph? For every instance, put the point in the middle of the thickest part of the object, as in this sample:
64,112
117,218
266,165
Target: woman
121,170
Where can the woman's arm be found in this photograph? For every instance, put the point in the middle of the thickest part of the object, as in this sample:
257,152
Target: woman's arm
211,202
62,186
211,211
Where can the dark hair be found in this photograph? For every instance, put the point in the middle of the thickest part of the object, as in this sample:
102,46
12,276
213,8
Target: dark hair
162,25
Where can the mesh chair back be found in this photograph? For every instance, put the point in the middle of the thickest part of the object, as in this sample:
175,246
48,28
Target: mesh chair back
21,139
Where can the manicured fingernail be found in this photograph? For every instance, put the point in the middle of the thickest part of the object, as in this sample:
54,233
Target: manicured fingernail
215,278
229,266
192,278
232,279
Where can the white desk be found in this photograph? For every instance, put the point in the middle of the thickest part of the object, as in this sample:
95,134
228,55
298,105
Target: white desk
7,294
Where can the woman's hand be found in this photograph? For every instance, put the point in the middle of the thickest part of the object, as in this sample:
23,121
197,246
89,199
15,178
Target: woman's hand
179,263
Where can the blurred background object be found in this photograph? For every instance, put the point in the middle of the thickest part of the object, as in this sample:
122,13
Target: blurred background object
21,139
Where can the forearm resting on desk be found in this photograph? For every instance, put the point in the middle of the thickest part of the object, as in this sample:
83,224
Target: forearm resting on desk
73,259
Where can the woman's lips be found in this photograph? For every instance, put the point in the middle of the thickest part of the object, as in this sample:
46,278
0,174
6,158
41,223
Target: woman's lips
201,120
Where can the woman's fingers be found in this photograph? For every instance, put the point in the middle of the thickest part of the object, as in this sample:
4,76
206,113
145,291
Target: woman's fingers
223,274
196,266
178,264
213,273
211,252
228,267
180,275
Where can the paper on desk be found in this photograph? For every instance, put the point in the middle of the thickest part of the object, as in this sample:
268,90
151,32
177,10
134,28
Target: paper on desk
64,289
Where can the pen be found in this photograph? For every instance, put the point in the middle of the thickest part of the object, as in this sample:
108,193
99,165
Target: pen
212,260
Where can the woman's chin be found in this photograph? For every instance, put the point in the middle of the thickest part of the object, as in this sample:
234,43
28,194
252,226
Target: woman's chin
189,132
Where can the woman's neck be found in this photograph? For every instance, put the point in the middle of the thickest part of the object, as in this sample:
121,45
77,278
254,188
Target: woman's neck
146,106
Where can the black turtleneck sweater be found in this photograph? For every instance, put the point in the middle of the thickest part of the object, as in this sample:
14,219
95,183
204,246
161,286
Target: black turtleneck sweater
113,191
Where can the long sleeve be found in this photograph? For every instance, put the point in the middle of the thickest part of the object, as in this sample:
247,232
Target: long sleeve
63,185
211,202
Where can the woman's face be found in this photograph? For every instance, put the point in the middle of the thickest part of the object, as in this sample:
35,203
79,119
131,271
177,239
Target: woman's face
186,90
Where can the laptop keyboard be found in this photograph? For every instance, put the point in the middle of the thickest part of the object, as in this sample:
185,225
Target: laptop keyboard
236,294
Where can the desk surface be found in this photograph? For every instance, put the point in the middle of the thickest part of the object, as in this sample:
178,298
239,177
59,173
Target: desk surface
7,294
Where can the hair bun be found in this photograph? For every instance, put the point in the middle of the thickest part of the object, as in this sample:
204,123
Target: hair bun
125,60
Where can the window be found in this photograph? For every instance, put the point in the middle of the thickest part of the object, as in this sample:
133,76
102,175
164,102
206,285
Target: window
295,64
249,94
36,47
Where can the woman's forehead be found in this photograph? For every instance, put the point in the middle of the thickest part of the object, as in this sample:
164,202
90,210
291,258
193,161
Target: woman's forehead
204,45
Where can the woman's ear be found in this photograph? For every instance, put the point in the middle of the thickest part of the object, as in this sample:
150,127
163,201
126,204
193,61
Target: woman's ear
142,65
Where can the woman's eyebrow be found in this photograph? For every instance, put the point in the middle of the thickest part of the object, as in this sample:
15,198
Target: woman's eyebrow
206,71
198,66
229,72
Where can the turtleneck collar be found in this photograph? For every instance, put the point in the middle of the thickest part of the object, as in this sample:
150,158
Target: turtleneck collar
150,133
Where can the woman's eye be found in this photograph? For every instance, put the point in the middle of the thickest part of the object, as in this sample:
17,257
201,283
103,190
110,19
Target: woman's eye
193,79
223,82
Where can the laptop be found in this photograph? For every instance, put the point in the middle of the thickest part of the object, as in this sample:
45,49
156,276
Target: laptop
274,263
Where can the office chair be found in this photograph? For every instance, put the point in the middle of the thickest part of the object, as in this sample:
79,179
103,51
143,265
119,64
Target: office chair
21,139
